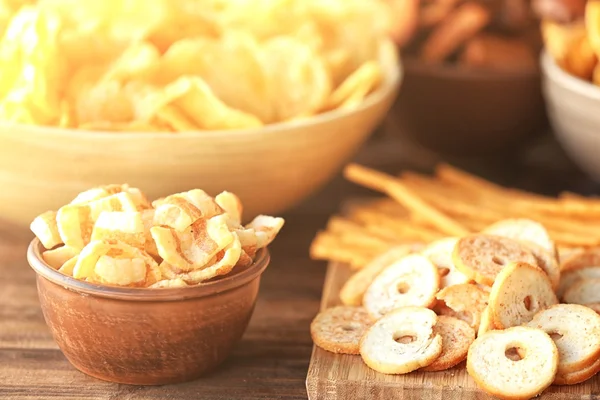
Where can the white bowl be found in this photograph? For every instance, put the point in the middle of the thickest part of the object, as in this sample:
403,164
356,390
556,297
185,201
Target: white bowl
574,112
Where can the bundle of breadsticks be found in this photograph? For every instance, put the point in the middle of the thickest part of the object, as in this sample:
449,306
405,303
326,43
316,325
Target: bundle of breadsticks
498,34
419,209
571,32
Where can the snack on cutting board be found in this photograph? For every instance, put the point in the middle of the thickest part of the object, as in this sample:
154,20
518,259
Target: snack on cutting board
113,235
500,249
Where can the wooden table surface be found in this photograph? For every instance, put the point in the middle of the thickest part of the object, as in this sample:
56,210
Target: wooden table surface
270,362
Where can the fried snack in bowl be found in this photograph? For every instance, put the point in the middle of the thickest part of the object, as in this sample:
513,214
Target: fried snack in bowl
131,294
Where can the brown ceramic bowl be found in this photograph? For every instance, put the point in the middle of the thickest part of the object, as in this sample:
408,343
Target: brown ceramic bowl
146,336
461,111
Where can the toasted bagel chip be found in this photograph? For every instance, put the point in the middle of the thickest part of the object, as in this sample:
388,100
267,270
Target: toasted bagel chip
339,329
457,336
464,301
440,254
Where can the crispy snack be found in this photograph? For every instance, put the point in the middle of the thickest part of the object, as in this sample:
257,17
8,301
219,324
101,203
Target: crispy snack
440,254
113,235
582,375
339,329
520,291
524,379
462,24
583,291
464,301
457,336
411,281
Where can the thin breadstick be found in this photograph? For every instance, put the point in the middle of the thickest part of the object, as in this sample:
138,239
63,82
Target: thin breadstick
323,248
393,226
399,192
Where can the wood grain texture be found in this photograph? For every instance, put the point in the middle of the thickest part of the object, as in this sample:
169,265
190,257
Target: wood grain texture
335,376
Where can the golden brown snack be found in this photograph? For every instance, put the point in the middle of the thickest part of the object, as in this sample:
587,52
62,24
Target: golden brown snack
581,59
520,291
439,253
576,377
462,24
45,228
411,281
560,38
575,330
464,301
498,53
492,370
457,336
486,324
583,291
401,341
355,287
481,257
583,258
339,329
569,277
525,230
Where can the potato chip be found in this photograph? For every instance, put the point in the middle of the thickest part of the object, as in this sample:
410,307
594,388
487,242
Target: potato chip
57,257
230,65
356,87
32,68
68,266
232,205
197,102
124,226
169,283
265,228
139,61
181,210
194,247
45,228
149,245
116,263
292,64
175,119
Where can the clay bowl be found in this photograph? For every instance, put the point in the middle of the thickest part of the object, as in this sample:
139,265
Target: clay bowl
573,111
460,111
146,336
270,168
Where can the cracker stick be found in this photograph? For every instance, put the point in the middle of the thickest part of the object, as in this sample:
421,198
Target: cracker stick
395,189
326,248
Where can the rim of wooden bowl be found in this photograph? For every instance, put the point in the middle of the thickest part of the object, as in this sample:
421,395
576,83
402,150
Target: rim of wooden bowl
228,282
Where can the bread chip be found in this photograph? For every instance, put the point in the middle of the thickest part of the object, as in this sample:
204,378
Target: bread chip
411,281
569,277
481,257
575,330
339,329
583,291
486,324
124,226
45,228
520,291
580,259
402,341
355,287
169,284
492,370
181,210
115,263
573,378
457,336
57,257
440,254
194,247
464,301
523,229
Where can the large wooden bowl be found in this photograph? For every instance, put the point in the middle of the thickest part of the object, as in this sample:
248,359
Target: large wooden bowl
271,168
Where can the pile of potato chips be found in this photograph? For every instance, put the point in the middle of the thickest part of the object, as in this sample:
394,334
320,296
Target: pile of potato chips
183,65
113,235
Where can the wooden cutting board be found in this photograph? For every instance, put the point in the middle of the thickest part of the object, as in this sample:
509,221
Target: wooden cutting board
335,376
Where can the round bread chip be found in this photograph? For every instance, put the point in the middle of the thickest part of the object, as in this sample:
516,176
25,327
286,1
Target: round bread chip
487,323
355,287
402,341
465,302
576,377
457,336
575,330
482,257
339,329
581,259
547,261
439,253
520,291
489,364
569,277
411,281
523,229
583,291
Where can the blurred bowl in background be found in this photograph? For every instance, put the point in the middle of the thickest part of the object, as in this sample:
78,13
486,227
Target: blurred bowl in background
573,106
270,168
460,111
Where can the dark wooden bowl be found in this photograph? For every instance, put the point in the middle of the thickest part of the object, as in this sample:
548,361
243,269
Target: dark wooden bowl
146,336
461,111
